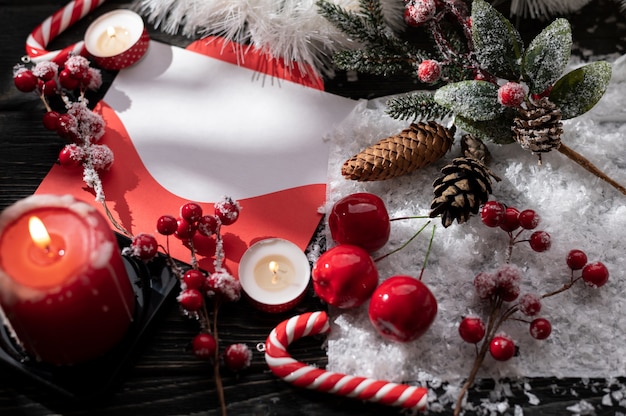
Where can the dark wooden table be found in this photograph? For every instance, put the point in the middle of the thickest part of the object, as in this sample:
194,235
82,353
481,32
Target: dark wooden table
164,378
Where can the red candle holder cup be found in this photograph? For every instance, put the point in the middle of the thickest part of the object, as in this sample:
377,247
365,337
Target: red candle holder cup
117,40
274,274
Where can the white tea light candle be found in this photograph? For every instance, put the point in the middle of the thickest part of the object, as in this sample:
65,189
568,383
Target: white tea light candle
117,39
274,274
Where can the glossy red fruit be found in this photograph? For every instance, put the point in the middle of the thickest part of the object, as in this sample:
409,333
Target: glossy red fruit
472,329
185,230
576,259
71,156
402,308
502,348
25,80
208,225
204,346
67,81
510,221
360,219
511,94
47,88
528,219
194,279
540,328
191,212
540,241
51,120
227,211
595,274
344,276
492,213
145,246
167,225
191,299
237,357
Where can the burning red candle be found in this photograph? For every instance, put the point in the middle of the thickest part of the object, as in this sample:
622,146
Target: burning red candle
64,291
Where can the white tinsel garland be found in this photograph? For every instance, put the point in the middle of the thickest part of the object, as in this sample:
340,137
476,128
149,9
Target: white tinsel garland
545,8
288,29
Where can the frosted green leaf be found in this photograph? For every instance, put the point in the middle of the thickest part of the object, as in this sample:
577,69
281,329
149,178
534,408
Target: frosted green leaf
495,131
547,56
498,45
579,90
474,100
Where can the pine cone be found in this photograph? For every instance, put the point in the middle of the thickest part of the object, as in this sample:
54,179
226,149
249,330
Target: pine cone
474,147
539,127
413,148
463,188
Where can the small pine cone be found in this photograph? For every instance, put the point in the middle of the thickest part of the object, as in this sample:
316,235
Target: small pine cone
474,147
539,127
413,148
464,186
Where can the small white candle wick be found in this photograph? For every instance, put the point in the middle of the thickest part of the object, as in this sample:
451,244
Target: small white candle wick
111,32
274,268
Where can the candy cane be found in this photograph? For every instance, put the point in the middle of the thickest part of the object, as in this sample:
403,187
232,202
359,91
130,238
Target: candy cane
54,25
303,375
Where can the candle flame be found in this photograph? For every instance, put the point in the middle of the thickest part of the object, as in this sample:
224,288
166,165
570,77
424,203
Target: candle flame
111,32
274,267
39,233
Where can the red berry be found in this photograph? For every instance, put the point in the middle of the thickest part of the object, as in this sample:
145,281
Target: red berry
204,346
528,219
540,328
25,80
345,276
416,13
429,71
184,230
595,274
360,219
511,94
67,126
507,279
485,285
190,299
227,211
472,329
510,222
51,120
208,225
167,225
194,279
47,88
540,241
402,308
492,213
529,304
502,348
237,357
67,81
509,293
145,246
191,212
576,259
71,156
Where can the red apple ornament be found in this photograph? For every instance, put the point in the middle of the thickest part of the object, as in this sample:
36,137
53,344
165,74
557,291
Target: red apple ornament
402,308
345,276
360,219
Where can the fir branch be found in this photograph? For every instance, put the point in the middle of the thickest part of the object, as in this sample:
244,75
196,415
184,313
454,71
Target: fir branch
416,106
378,61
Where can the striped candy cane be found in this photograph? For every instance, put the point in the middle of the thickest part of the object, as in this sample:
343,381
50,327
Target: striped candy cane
54,25
303,375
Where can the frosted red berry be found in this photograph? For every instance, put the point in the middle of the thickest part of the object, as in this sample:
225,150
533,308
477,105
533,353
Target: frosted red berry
360,219
429,71
184,230
540,241
510,222
344,276
237,357
167,225
71,156
485,285
492,213
191,212
190,299
540,328
25,80
507,279
595,274
472,329
204,346
528,219
418,12
194,279
529,304
576,259
208,225
67,126
144,246
227,211
511,94
67,81
502,347
51,120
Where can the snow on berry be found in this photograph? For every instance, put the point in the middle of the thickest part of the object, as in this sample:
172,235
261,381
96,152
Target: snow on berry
485,285
24,79
204,346
191,300
511,94
90,125
528,219
224,284
429,71
191,212
45,70
237,357
101,156
227,210
208,225
540,328
418,12
529,304
508,277
144,246
71,156
93,79
77,66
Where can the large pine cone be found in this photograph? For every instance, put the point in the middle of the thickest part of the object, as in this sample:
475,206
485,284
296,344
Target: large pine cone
413,148
464,186
539,127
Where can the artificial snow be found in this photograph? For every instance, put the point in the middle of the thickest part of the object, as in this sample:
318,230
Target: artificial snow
579,210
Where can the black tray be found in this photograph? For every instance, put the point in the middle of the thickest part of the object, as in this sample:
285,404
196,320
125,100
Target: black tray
153,284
